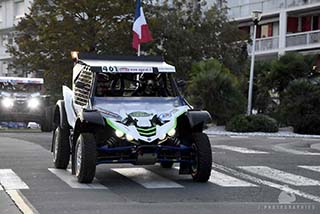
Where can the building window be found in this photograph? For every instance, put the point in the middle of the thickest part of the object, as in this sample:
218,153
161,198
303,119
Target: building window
19,9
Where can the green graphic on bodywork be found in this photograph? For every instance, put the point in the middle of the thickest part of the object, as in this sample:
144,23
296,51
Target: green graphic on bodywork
147,131
114,126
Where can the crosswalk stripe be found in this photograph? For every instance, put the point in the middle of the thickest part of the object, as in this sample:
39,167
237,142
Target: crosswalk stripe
312,168
239,149
224,180
1,188
147,178
11,181
281,176
72,181
284,188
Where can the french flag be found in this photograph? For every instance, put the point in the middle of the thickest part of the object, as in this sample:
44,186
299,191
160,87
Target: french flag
141,32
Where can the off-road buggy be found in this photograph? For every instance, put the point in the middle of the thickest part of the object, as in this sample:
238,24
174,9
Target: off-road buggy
22,100
128,110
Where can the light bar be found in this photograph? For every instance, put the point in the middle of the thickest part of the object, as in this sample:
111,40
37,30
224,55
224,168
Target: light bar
22,80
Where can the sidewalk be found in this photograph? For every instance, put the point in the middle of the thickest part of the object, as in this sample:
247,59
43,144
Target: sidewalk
283,132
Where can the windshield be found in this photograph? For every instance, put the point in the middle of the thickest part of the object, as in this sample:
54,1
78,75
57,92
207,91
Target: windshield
20,87
133,85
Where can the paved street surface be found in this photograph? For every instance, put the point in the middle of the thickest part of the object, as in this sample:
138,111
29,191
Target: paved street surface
249,175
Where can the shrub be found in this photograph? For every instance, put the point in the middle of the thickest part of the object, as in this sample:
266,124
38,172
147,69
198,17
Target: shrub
300,105
252,123
213,87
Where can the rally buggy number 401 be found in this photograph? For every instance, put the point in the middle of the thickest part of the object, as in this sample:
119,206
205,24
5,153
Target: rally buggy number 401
128,110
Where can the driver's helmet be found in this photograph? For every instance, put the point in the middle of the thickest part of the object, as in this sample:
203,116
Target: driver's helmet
149,85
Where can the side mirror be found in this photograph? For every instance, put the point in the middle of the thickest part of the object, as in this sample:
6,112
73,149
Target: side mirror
181,83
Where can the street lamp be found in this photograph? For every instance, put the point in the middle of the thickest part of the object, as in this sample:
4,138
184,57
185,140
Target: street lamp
256,17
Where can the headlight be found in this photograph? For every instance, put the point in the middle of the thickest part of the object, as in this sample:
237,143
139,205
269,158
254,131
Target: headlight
33,103
7,102
119,133
162,137
172,132
129,137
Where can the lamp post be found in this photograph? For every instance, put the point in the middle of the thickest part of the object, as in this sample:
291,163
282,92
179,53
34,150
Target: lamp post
256,17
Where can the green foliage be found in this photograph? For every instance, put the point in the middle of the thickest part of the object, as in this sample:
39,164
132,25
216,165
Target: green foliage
252,123
289,67
300,105
181,32
214,88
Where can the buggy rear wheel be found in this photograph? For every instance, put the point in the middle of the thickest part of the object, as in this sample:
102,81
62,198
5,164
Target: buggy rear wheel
60,148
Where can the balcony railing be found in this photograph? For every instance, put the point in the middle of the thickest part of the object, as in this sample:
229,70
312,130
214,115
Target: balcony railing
243,9
304,38
265,44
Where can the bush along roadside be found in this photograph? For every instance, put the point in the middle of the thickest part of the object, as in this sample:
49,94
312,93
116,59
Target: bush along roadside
252,123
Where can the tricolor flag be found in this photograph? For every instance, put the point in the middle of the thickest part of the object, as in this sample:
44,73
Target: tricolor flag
141,33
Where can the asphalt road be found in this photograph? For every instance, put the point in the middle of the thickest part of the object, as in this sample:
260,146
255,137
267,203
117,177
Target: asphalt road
250,175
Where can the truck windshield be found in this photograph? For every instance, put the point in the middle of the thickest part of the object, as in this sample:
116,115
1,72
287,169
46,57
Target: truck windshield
20,87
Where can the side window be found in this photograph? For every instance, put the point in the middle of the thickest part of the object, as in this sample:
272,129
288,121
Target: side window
83,86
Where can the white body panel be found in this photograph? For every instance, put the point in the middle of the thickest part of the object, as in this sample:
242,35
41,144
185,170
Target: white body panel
68,99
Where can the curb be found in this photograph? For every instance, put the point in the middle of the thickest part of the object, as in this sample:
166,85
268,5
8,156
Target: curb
261,134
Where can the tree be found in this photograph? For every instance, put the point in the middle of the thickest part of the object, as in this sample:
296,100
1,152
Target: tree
54,28
300,105
186,34
289,67
182,33
213,87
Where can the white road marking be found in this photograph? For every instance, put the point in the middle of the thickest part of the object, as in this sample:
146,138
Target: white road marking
281,176
21,202
239,149
72,181
146,178
1,188
228,181
266,183
239,136
224,180
311,139
276,138
11,181
313,168
281,148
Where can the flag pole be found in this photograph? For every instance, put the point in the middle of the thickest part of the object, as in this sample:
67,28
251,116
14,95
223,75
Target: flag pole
139,50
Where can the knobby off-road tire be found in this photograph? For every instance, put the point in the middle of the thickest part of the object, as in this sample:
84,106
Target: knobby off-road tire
47,121
85,158
201,168
60,148
167,164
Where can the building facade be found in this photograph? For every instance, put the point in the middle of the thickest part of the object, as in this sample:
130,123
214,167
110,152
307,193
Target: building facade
286,25
11,11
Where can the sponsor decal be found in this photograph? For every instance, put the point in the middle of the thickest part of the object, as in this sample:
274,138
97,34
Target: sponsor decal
109,114
140,114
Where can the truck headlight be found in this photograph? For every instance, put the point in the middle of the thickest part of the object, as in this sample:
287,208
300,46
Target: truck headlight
33,103
7,102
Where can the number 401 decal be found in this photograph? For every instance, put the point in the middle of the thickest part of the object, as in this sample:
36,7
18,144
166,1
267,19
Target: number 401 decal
109,69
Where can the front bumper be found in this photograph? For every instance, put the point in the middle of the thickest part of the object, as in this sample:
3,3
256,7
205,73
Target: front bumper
144,154
21,113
